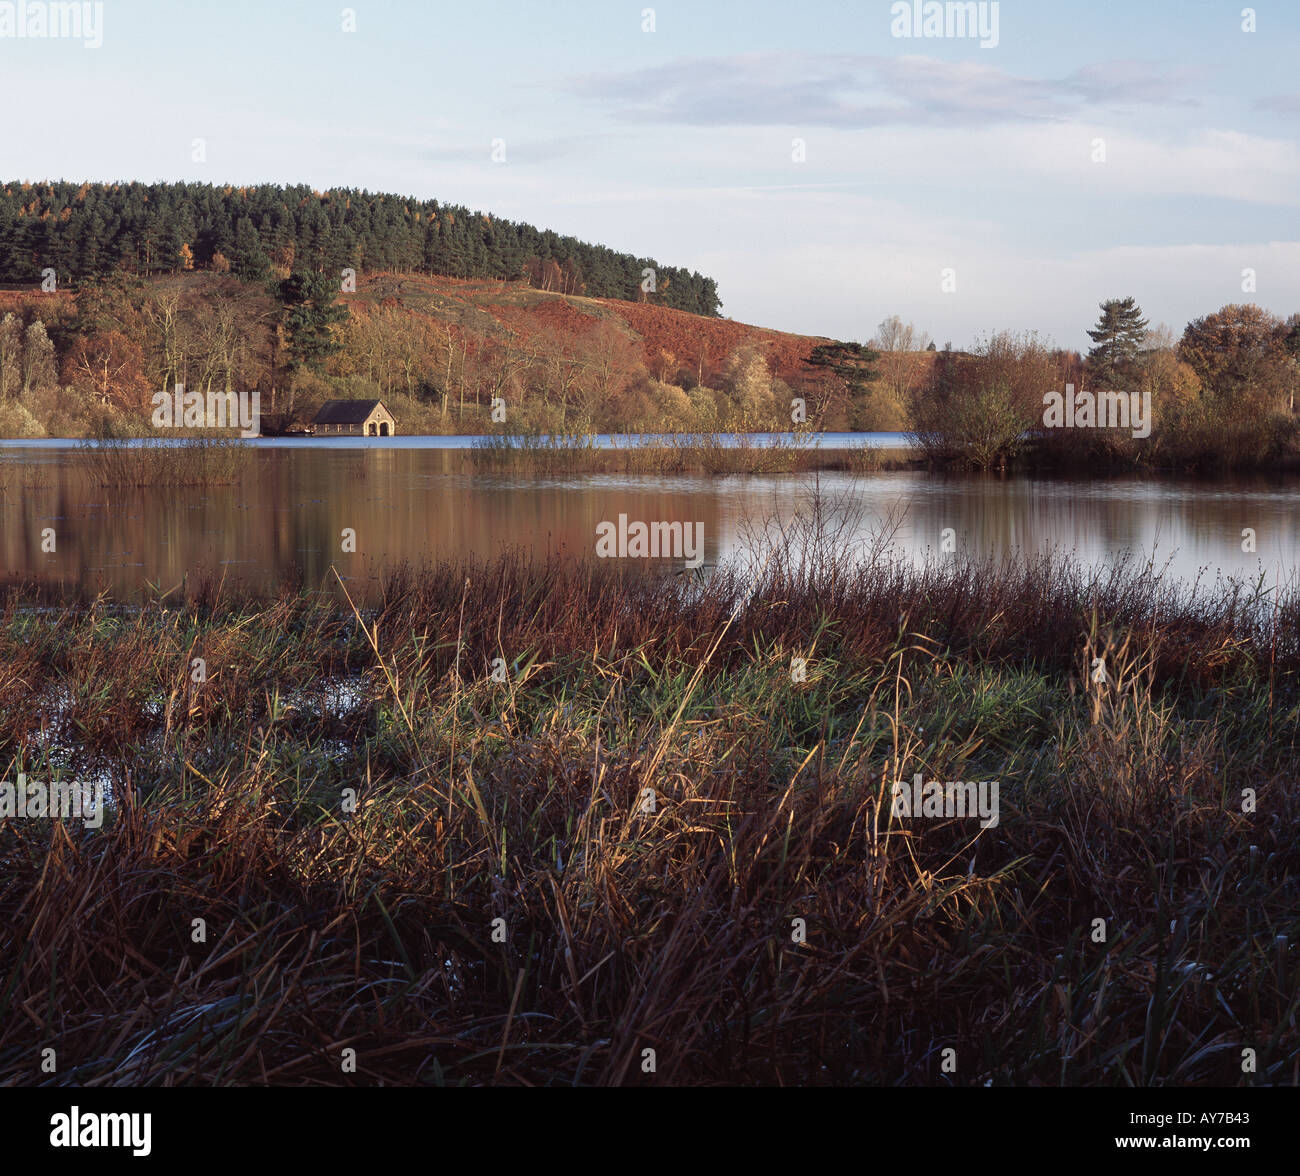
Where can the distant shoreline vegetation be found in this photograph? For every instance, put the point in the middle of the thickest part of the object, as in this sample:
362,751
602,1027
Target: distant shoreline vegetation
280,308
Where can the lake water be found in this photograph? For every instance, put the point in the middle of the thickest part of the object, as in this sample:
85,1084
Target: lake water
410,499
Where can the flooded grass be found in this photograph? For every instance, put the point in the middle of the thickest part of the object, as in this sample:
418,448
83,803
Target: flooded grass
204,461
669,925
702,453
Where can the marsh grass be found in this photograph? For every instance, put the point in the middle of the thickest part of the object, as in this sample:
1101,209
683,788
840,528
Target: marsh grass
17,477
669,929
204,461
695,453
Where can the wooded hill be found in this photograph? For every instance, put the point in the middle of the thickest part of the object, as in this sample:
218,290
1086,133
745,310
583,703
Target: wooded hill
86,232
438,350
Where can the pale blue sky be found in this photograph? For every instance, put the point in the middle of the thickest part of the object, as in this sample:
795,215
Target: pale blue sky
921,153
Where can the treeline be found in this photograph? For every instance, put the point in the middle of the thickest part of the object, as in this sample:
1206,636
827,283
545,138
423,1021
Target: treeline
87,232
90,363
1220,395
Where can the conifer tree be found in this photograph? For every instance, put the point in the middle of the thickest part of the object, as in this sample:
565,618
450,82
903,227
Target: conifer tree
310,311
1117,338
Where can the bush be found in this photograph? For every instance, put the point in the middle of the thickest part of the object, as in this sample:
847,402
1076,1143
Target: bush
978,409
17,421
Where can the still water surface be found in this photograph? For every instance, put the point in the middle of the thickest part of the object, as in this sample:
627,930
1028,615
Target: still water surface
409,499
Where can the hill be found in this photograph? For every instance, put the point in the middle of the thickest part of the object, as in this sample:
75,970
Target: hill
441,351
699,344
80,233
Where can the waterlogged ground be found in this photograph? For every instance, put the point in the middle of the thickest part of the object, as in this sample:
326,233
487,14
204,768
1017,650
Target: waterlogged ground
412,500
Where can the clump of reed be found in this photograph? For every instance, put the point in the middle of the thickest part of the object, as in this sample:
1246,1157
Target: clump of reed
708,454
654,806
17,477
203,461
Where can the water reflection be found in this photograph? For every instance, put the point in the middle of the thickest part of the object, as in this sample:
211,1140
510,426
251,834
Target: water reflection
291,509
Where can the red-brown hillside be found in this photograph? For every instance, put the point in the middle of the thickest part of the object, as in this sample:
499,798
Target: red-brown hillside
693,341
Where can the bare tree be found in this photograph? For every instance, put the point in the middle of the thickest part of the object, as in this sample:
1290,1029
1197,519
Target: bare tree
895,340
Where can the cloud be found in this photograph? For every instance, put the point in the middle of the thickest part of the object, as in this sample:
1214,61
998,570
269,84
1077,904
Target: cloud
1284,104
1131,82
859,90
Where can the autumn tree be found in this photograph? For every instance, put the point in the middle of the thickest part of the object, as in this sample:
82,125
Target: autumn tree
494,370
748,380
110,366
1239,353
543,273
163,312
39,370
895,341
978,408
610,359
11,351
893,335
557,371
394,350
1291,341
571,278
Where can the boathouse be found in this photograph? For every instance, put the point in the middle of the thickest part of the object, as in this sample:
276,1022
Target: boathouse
354,418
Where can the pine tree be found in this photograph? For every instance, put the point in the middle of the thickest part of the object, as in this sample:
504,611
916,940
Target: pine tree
853,364
310,311
249,260
1118,338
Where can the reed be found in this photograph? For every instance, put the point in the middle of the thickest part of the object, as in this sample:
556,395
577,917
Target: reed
708,454
670,926
204,461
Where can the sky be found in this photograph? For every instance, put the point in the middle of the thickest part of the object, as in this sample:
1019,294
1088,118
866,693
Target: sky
826,171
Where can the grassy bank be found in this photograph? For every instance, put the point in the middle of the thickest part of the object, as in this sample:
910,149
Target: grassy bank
668,926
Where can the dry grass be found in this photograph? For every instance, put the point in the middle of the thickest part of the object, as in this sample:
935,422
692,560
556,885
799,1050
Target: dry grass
626,929
204,461
686,453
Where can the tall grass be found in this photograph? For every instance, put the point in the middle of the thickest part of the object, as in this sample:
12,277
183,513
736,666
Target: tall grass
16,477
204,461
662,920
710,454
